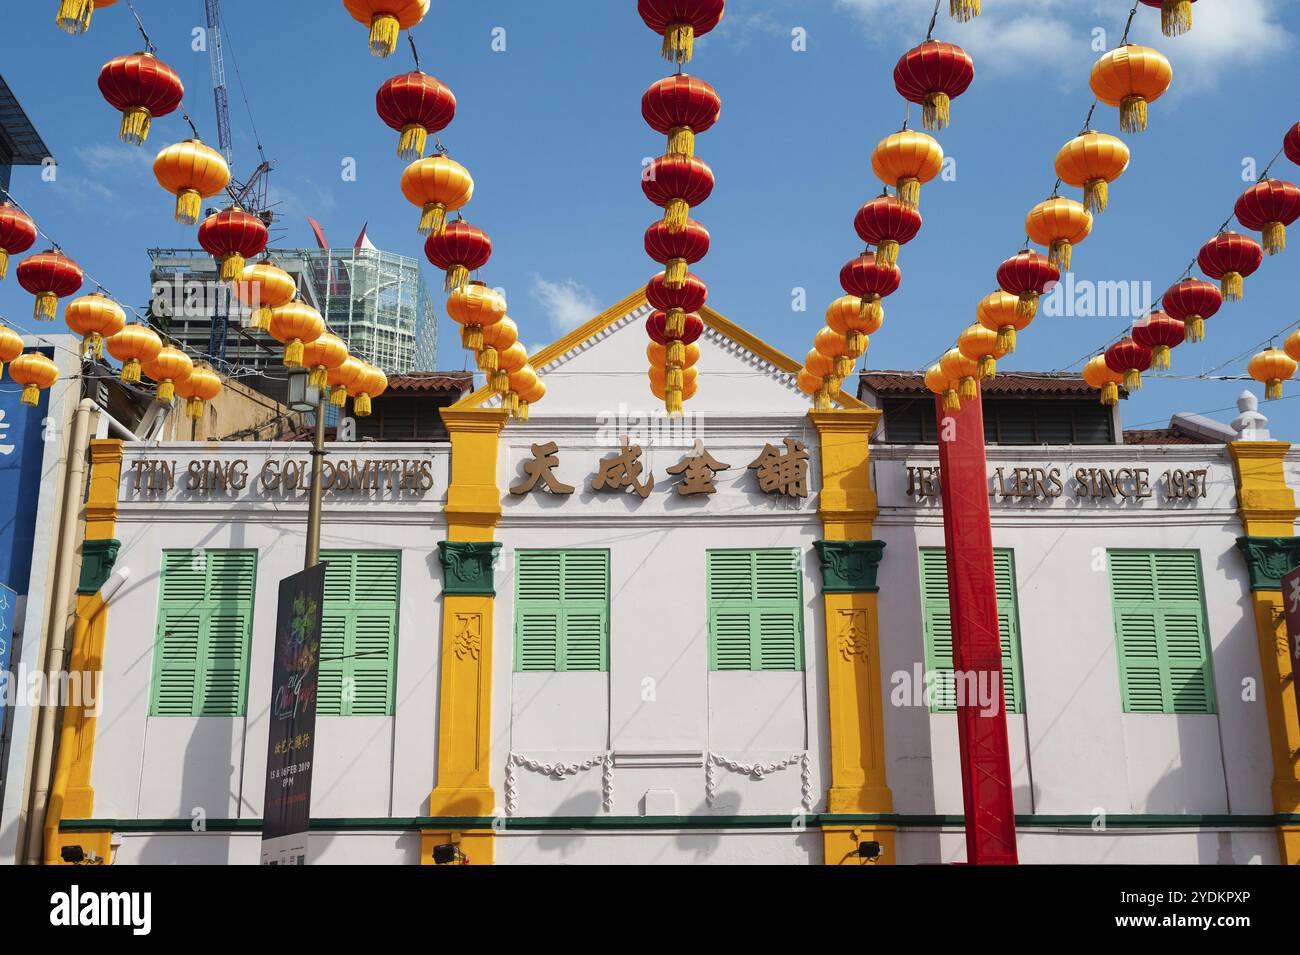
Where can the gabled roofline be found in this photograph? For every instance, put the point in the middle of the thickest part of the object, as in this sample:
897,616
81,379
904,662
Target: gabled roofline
719,323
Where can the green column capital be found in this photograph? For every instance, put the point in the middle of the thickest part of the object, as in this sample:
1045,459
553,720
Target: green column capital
97,560
1269,559
849,567
467,567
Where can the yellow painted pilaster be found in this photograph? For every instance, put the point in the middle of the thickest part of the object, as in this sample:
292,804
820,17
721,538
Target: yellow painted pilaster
847,506
1267,507
465,681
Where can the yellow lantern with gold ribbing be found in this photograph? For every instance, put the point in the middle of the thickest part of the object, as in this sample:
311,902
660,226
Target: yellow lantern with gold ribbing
907,160
200,387
134,346
815,388
1091,161
509,361
529,397
386,20
343,379
965,370
1099,375
169,366
294,325
35,373
1001,312
264,287
1130,78
823,367
321,357
475,306
497,337
847,316
95,317
980,345
438,185
938,381
1292,344
1270,368
523,381
1059,224
371,384
192,171
11,346
835,347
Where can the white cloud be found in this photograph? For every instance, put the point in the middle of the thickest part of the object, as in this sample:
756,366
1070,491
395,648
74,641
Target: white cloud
568,303
1224,36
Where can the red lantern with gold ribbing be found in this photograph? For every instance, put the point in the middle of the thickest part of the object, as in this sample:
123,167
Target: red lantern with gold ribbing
676,251
1192,301
417,106
1028,275
49,276
17,234
870,280
1159,332
677,183
231,237
1291,144
932,75
675,303
679,22
1126,357
681,107
1175,15
887,223
659,328
460,249
1231,258
1269,207
142,88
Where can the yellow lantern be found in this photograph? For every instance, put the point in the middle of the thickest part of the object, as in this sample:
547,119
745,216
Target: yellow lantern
295,325
847,316
673,398
965,370
134,346
386,19
169,366
1059,224
937,380
509,361
1130,78
497,337
200,387
980,345
1000,312
322,356
1292,344
94,317
1271,367
1099,375
74,15
11,346
1091,162
530,397
370,385
35,373
813,386
343,380
264,287
438,185
193,172
473,307
835,347
907,160
521,382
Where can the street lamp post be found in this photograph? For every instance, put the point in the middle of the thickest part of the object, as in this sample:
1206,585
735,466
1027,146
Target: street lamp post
305,398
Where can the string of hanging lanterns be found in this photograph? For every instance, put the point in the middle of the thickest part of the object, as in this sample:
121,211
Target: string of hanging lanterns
680,107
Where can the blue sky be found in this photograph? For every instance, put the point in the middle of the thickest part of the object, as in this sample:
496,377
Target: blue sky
550,128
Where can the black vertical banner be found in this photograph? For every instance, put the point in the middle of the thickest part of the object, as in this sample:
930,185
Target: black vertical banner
290,745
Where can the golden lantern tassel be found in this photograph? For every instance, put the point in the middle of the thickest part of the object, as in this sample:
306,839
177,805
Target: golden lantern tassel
843,366
1096,194
261,319
855,344
1273,390
1028,304
935,111
131,371
1160,357
47,306
166,392
523,411
510,401
964,10
1175,17
1274,238
384,29
1133,379
487,359
675,215
676,352
1194,330
74,16
361,405
410,146
339,396
1234,286
1133,114
434,219
675,323
970,389
674,377
95,344
870,310
318,378
1060,254
231,267
988,368
135,126
31,395
887,252
293,350
188,206
951,400
472,337
822,400
4,264
673,400
457,277
675,273
679,43
681,141
1007,339
499,380
195,408
1110,393
909,192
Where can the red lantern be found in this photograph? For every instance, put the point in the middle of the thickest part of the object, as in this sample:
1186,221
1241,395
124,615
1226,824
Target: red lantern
49,276
460,249
681,107
17,234
1126,357
659,327
676,251
231,236
887,223
1269,207
689,297
870,280
1028,275
1231,257
677,183
1291,144
1159,332
1192,301
417,106
679,22
141,87
932,75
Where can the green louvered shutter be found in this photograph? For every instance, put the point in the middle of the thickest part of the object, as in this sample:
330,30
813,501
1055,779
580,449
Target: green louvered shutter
359,632
755,609
937,621
561,610
205,615
1160,631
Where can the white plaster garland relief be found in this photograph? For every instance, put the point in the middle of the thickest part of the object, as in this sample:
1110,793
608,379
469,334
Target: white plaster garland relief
757,771
560,771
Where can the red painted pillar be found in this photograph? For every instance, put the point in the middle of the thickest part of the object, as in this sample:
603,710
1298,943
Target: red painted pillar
976,646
